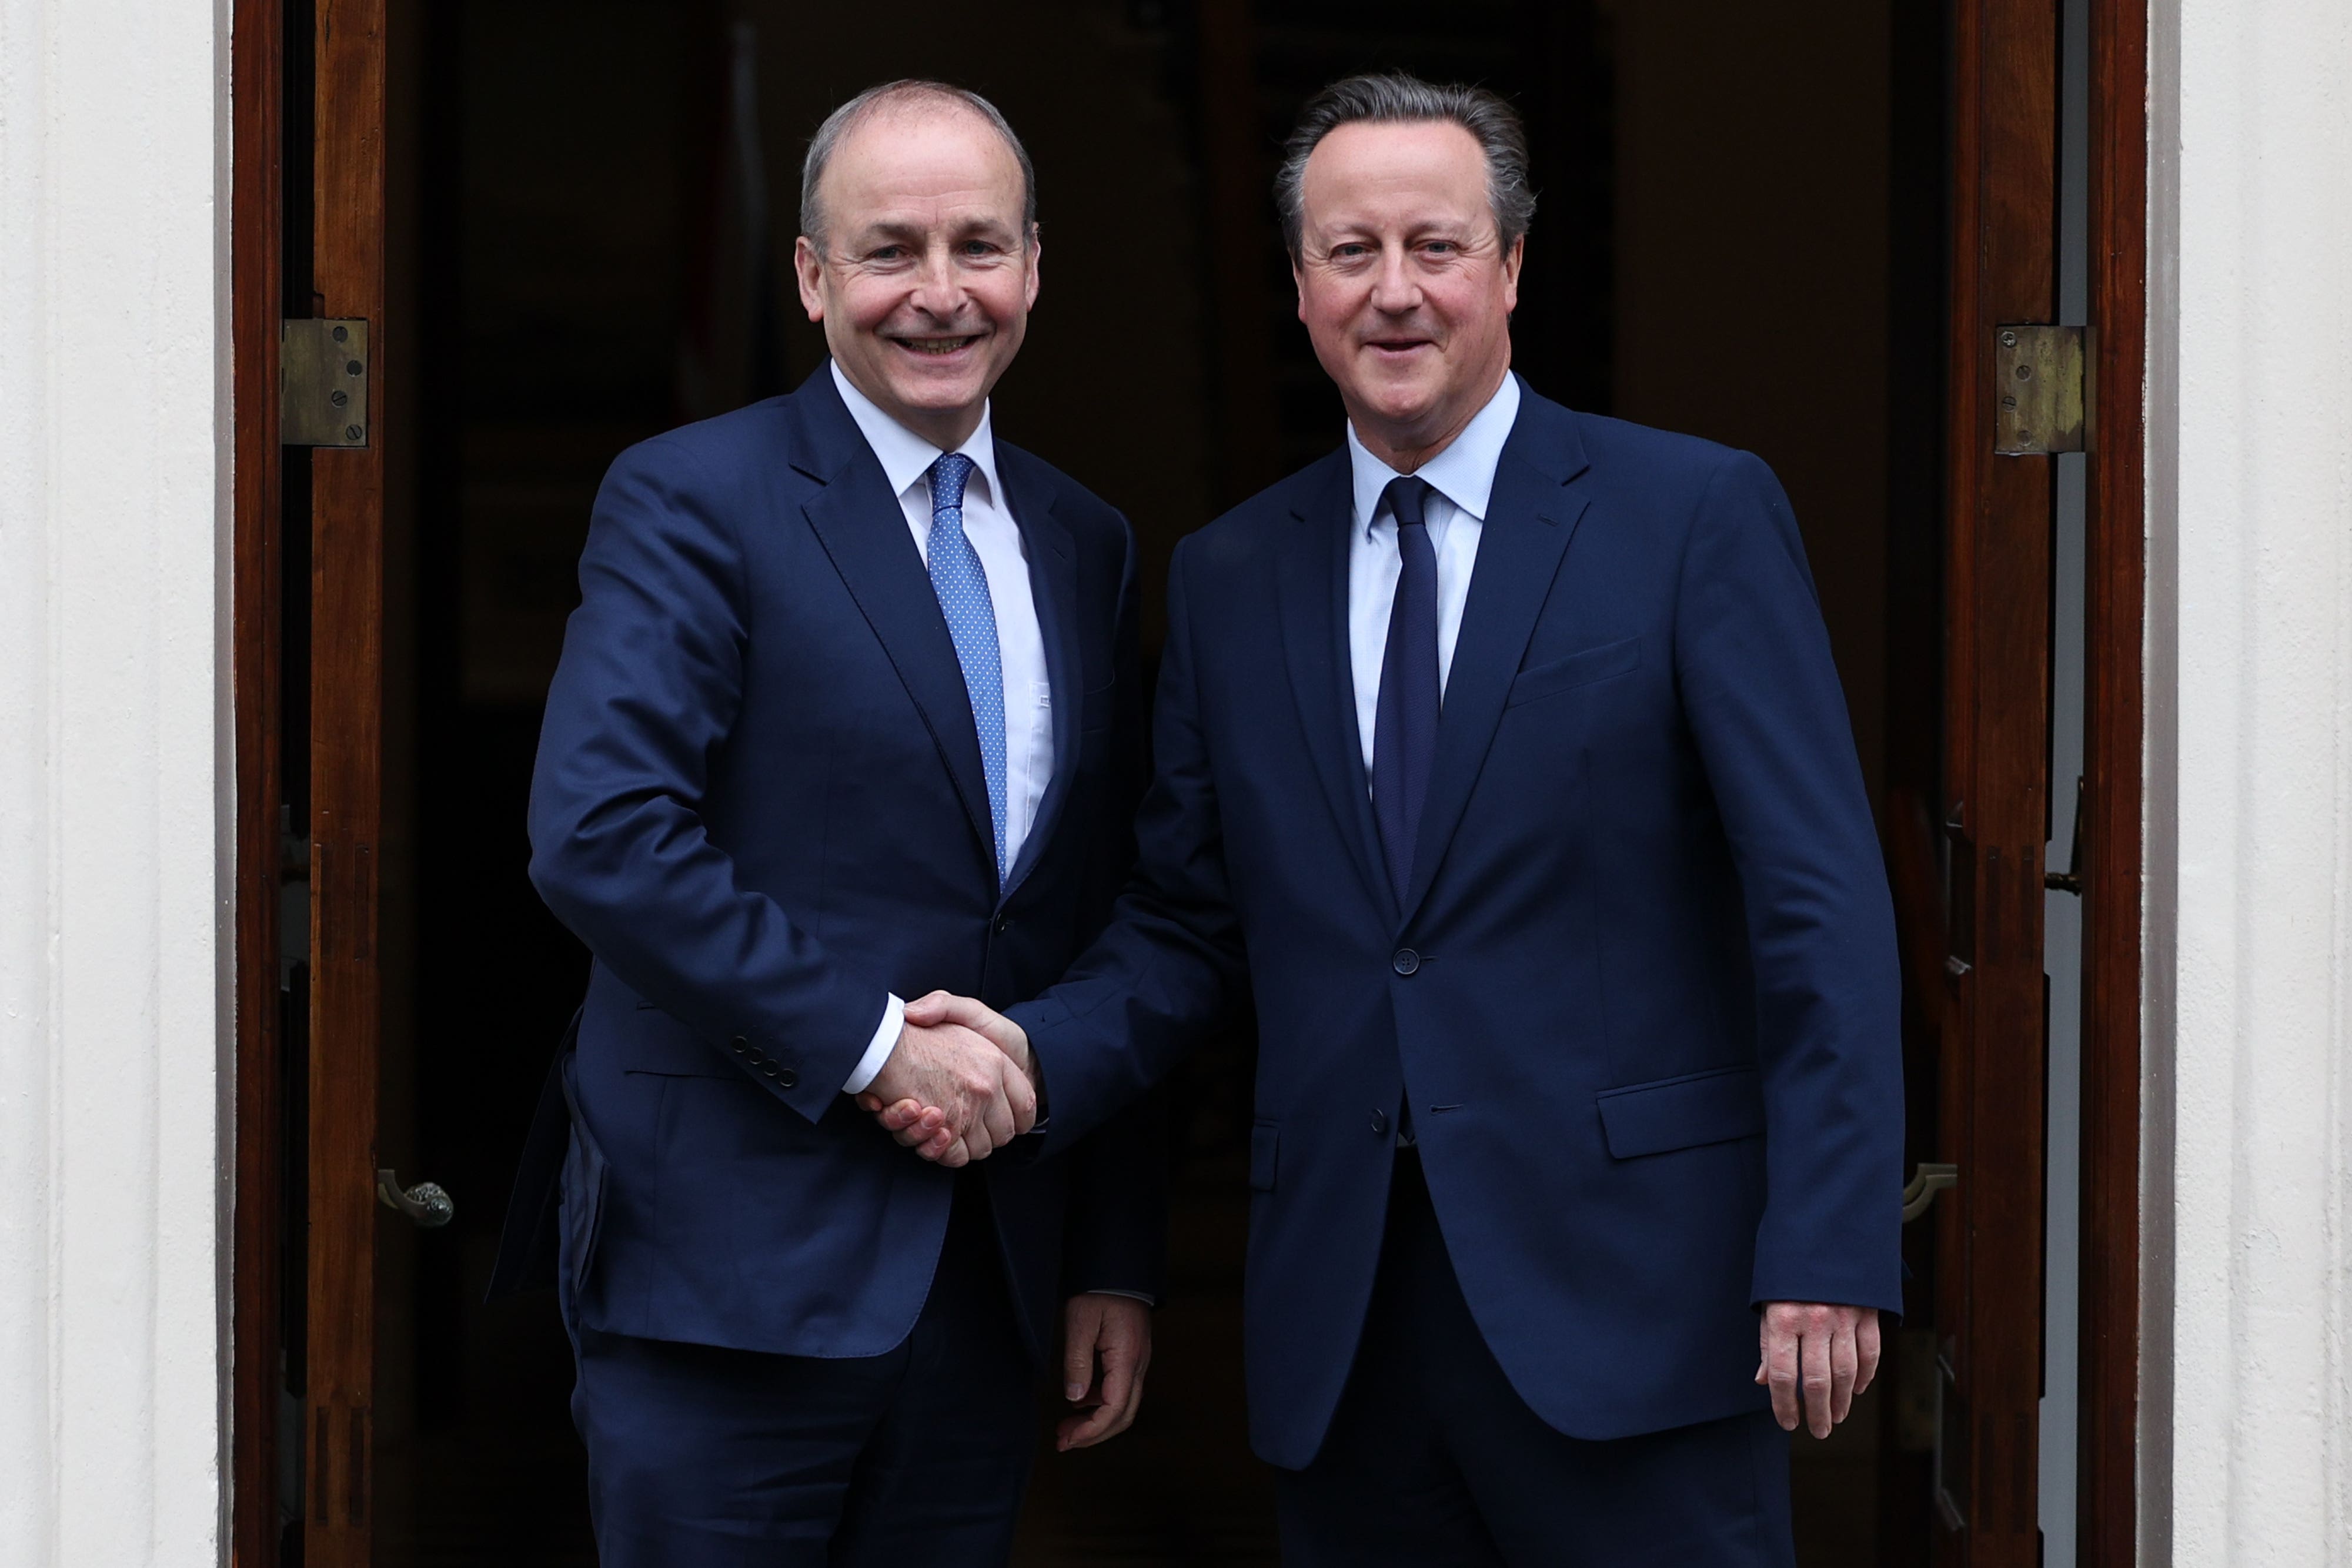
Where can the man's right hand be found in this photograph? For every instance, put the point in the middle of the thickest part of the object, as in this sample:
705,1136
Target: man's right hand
924,1126
975,1097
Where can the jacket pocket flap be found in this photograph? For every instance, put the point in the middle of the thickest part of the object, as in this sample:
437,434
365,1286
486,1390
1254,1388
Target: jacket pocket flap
1682,1113
1265,1143
1579,669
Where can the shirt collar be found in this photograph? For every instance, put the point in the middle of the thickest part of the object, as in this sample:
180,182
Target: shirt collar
906,457
1464,472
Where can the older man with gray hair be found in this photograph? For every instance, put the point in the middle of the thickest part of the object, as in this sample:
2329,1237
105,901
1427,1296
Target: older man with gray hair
847,713
1501,754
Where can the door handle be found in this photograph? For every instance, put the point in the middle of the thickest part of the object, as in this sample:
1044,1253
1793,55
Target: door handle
425,1203
1926,1181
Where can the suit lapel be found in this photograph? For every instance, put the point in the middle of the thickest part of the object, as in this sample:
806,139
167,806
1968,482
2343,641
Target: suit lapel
1531,516
863,529
1054,588
1313,595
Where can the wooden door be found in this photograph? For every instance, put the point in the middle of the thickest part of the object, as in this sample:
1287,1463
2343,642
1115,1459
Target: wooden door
346,695
1989,1295
307,243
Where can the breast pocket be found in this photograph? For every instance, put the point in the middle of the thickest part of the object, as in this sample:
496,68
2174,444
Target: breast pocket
1582,668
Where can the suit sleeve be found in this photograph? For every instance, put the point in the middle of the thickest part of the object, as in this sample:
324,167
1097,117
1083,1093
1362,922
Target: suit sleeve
647,689
1763,701
1169,965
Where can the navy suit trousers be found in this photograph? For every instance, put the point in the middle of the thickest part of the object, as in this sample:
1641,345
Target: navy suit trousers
700,1457
1434,1461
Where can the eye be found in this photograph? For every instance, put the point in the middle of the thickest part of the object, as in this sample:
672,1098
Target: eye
887,253
1350,251
976,247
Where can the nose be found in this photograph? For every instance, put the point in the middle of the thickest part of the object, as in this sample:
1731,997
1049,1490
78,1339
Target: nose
937,291
1394,288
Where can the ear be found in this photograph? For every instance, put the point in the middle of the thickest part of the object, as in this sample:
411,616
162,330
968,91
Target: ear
808,271
1298,281
1512,258
1033,253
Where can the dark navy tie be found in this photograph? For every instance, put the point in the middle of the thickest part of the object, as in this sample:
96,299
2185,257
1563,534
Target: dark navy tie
1404,725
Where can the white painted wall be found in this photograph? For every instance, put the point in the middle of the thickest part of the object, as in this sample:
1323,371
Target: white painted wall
2248,1458
113,775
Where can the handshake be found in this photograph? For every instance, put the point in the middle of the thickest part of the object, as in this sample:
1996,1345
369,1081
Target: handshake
959,1085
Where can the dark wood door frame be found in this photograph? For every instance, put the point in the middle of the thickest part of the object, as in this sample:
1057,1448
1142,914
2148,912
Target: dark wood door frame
2115,578
342,247
256,232
2004,271
350,277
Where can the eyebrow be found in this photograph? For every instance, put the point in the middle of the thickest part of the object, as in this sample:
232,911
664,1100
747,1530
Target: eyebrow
894,230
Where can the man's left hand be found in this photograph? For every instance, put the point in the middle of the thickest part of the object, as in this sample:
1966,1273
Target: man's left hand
1106,1347
1816,1358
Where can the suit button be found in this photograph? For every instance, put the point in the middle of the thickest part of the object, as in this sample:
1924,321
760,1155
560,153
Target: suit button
768,1069
1003,923
1379,1124
787,1078
1406,961
755,1059
738,1045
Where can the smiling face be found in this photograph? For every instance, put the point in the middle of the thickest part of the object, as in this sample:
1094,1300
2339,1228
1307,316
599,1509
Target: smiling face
1404,285
925,281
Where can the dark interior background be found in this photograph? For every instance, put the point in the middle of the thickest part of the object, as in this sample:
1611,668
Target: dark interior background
1740,235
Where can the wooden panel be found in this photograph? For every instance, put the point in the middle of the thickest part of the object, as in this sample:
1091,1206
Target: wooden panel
1237,171
347,800
254,237
2115,576
1989,1261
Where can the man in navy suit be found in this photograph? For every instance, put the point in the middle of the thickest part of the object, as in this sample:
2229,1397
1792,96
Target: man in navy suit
1502,753
848,712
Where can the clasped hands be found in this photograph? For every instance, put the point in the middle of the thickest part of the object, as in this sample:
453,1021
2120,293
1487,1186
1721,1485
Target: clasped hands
960,1084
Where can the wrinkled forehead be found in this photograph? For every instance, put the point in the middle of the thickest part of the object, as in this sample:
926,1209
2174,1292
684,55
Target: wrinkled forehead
1371,173
925,164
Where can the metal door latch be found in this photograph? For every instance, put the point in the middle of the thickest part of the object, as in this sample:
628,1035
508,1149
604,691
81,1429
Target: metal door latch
2071,879
425,1203
322,383
2042,394
1926,1181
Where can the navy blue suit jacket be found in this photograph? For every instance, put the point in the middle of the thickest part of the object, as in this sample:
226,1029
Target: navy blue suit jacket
759,801
1642,994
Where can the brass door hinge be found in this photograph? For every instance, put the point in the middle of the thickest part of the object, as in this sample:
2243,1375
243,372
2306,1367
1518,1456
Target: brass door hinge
2042,389
322,381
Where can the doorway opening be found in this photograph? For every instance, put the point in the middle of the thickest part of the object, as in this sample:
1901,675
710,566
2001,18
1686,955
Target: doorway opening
1744,234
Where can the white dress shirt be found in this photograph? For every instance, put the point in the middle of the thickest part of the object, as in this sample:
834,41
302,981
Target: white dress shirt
1463,478
907,459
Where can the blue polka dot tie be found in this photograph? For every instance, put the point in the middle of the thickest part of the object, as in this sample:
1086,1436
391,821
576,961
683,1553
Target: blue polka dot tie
962,583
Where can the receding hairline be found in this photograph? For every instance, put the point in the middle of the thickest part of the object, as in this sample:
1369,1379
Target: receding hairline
914,102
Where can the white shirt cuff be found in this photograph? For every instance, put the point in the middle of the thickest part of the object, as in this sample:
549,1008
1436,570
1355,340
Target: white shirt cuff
886,1041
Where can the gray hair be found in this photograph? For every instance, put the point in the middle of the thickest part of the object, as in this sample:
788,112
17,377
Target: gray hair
1395,98
912,91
